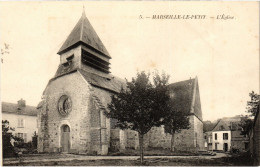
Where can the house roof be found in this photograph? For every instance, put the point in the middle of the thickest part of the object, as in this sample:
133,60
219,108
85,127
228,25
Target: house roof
84,33
13,109
208,126
185,95
228,123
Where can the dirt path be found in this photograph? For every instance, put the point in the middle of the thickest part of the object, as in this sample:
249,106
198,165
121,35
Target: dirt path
70,157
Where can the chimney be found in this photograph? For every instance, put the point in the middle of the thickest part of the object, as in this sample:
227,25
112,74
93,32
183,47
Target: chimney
21,103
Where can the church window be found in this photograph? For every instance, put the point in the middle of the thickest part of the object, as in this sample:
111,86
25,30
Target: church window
66,64
70,58
64,105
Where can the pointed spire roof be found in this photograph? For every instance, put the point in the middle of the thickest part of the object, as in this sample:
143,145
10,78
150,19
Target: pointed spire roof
84,33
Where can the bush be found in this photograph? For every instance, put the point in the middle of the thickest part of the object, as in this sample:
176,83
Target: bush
8,149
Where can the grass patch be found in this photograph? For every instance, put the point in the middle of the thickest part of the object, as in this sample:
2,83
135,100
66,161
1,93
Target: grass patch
153,152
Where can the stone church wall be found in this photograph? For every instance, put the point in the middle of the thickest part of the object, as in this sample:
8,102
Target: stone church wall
118,140
187,140
198,128
158,138
184,140
78,119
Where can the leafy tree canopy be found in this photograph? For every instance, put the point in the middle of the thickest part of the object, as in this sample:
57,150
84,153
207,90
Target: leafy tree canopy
246,124
142,104
252,104
176,121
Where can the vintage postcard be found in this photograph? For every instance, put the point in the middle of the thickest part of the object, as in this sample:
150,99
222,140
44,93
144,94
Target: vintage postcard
130,83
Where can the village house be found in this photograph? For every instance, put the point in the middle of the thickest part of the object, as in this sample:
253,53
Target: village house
71,113
22,118
208,141
226,135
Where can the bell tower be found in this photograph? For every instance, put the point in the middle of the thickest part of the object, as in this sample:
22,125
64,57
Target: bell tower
84,50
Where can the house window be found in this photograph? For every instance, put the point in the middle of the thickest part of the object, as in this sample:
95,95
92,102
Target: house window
225,136
216,136
25,137
22,135
216,146
20,123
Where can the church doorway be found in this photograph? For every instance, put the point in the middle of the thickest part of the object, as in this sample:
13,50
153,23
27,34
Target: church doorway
65,138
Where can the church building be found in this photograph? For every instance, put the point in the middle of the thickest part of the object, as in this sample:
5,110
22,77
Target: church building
71,114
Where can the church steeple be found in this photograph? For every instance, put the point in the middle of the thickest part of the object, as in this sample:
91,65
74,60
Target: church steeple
84,33
93,54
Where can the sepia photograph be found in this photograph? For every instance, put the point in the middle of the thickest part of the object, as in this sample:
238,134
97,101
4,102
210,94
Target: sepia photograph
130,83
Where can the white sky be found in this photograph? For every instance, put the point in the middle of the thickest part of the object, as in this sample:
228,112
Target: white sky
224,54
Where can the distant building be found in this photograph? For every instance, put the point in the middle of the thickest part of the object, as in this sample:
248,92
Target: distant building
238,141
21,117
226,135
208,141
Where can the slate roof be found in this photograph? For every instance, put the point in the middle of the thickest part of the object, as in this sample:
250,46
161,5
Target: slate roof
184,96
13,109
84,33
112,83
62,70
208,126
227,124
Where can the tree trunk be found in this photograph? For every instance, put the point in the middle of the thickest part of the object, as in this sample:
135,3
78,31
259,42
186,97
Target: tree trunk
141,146
172,142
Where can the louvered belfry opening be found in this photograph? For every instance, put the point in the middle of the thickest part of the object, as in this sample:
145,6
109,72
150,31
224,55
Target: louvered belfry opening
94,62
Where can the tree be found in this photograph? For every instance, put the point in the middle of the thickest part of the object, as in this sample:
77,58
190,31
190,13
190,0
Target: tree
246,122
176,121
141,105
8,149
252,104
